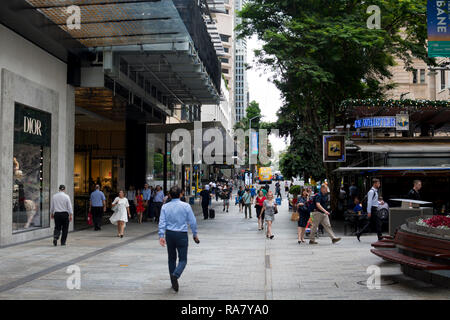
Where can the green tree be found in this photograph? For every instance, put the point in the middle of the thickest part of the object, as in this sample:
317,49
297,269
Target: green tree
323,53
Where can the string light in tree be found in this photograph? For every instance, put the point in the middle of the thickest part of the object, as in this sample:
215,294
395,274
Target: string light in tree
408,105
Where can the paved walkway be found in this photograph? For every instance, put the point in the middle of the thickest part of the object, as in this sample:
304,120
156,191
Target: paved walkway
233,261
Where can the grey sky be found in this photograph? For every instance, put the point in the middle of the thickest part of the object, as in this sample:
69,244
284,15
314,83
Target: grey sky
263,91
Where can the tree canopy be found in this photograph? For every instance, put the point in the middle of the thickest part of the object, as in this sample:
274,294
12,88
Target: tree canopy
323,53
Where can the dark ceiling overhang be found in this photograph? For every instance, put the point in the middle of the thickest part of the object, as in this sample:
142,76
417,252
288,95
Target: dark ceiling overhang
132,24
22,18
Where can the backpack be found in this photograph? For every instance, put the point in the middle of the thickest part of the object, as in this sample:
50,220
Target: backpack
383,214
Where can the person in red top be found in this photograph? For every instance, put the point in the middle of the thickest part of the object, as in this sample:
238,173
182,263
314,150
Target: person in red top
140,205
259,200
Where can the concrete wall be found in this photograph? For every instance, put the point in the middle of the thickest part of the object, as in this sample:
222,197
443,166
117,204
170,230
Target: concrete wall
34,78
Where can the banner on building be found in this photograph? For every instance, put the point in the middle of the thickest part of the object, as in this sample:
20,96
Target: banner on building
254,142
334,149
438,16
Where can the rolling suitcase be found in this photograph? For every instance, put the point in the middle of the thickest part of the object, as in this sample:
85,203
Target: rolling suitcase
212,213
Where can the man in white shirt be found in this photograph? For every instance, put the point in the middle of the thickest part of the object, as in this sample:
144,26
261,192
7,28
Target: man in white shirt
372,207
61,211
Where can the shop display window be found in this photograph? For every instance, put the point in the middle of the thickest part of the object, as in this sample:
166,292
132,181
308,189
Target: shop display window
31,169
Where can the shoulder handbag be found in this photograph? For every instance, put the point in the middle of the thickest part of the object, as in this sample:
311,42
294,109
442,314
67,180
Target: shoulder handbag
275,210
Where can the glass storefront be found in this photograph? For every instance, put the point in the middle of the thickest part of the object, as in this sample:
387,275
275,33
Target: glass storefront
31,173
155,162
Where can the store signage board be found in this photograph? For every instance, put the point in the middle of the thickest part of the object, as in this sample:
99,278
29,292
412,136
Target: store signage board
376,122
334,149
32,126
438,17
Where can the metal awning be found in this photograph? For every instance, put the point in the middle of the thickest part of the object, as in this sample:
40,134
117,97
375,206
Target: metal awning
369,169
144,33
405,147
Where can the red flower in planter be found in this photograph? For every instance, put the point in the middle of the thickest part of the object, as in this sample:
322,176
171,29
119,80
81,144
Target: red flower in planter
438,221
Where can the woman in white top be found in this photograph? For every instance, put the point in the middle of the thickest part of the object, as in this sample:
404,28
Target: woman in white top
121,213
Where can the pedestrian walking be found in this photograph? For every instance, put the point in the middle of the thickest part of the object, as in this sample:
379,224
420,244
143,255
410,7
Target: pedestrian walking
372,200
131,196
182,196
286,187
146,194
321,216
158,200
61,211
166,197
240,195
219,191
97,206
278,190
205,199
140,206
259,202
303,209
269,210
414,194
121,213
226,195
173,231
253,192
342,200
247,200
264,190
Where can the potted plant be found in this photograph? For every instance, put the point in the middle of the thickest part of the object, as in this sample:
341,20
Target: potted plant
295,191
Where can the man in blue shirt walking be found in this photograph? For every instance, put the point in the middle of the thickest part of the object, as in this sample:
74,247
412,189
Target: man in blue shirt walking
173,224
97,206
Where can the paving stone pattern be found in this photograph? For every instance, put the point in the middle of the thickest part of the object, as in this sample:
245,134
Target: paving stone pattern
233,261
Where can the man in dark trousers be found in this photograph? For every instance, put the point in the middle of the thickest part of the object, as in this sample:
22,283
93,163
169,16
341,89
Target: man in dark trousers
158,200
173,231
61,211
97,205
372,208
414,194
206,197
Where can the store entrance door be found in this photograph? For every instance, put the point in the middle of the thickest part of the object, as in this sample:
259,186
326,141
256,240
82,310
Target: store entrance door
89,172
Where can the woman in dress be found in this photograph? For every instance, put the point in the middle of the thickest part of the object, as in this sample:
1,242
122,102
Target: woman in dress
140,205
259,202
121,214
304,214
269,208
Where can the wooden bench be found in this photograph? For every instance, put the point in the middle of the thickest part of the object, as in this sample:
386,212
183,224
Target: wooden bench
400,258
384,244
387,242
416,251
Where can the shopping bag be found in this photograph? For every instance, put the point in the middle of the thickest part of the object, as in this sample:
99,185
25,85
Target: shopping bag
295,216
89,221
